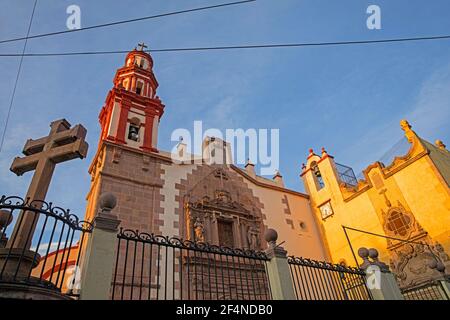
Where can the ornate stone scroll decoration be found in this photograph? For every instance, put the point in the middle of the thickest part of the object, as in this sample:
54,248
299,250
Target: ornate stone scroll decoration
414,264
410,262
220,209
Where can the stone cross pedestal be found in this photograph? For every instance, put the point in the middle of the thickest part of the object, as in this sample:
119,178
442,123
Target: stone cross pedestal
41,155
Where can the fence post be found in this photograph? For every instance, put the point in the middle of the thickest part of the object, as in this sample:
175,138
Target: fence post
281,284
100,254
380,281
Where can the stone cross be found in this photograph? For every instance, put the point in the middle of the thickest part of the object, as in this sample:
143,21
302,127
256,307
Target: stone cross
41,155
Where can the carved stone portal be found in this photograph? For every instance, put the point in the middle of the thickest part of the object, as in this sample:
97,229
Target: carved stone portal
221,210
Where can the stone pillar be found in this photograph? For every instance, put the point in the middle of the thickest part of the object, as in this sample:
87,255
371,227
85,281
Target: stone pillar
380,281
98,265
281,283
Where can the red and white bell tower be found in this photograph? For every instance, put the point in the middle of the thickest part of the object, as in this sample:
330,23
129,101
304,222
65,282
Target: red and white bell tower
132,110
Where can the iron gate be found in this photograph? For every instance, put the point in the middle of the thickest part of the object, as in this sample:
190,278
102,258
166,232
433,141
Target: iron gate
155,267
320,280
427,291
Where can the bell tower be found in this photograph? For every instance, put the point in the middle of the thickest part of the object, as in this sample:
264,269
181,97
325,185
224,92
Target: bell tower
127,161
132,110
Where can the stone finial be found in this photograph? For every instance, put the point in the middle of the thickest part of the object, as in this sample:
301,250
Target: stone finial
404,124
440,144
5,218
311,153
278,178
364,254
250,168
373,254
303,166
406,127
324,152
108,202
271,236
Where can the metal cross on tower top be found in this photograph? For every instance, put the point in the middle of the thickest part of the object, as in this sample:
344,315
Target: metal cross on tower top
41,155
142,46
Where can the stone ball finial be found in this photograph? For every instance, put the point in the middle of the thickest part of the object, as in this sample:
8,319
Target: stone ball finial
440,144
5,218
363,252
108,201
373,253
271,236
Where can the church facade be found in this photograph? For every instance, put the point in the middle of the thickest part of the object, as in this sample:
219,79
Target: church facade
221,204
402,209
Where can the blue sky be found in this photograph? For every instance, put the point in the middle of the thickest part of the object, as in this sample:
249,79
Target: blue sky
348,99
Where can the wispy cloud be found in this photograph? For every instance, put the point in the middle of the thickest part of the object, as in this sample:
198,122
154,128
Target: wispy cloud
429,113
432,109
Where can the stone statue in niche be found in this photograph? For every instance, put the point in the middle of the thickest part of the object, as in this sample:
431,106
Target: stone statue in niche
253,238
199,231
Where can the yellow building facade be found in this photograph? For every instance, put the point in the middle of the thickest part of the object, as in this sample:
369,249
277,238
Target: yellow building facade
407,202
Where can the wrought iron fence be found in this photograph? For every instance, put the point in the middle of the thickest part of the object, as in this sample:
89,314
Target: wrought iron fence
346,175
155,267
54,243
320,280
428,291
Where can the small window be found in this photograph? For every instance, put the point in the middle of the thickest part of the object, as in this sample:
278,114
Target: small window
139,87
398,223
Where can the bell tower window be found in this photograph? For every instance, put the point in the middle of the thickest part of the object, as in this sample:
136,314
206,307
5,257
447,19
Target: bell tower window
139,88
125,83
133,131
317,176
141,62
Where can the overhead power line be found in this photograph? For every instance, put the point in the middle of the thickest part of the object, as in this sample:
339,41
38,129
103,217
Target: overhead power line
104,25
17,78
236,47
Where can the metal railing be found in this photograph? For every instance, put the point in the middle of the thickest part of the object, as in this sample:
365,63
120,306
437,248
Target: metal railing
52,254
320,280
346,175
427,291
155,267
